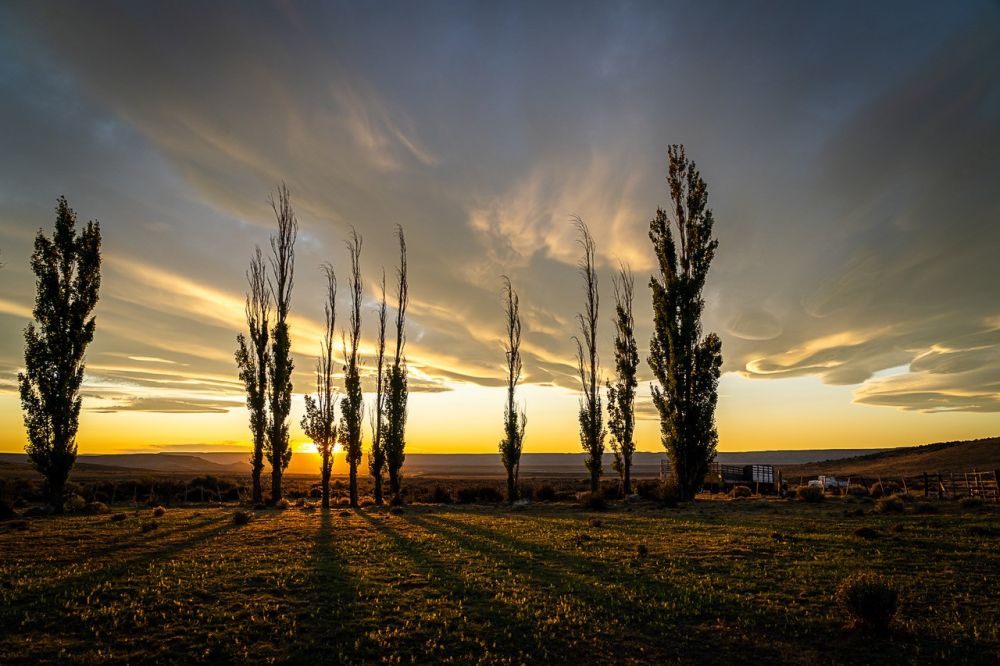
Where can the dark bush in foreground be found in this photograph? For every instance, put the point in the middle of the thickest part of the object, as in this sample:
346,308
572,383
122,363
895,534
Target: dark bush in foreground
740,491
870,600
242,517
479,494
6,510
810,493
440,495
74,504
148,526
593,501
889,505
667,494
857,490
545,493
96,508
159,511
118,517
925,507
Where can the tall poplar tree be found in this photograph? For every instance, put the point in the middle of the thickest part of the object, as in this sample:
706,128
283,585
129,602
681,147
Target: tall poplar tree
621,394
320,422
396,382
280,364
352,412
67,270
514,421
685,363
252,361
376,459
591,417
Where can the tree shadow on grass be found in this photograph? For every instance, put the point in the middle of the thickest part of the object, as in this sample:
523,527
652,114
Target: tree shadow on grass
489,628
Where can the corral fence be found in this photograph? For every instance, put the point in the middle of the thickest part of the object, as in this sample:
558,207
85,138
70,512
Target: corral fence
940,485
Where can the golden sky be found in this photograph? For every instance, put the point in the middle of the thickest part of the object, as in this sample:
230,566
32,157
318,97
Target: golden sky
850,154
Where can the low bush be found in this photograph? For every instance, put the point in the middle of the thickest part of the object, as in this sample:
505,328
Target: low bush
118,517
6,510
905,497
74,504
545,493
158,512
283,503
889,505
925,507
148,526
440,495
740,491
870,600
810,494
594,522
593,501
667,494
970,502
480,494
242,517
857,490
96,508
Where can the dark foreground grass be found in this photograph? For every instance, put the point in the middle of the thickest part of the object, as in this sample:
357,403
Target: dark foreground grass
716,582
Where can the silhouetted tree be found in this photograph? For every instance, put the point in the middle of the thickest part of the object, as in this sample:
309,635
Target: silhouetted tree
352,412
396,382
280,364
591,426
686,365
514,422
376,459
320,422
621,394
67,271
252,361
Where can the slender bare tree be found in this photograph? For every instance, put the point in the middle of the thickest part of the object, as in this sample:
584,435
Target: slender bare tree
396,382
621,394
320,421
376,459
591,427
353,411
514,421
252,360
280,364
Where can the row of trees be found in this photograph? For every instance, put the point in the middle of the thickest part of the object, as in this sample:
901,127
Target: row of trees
265,366
685,364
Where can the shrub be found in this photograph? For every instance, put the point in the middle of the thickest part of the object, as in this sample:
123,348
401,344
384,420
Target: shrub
593,501
242,517
740,491
866,533
283,503
148,526
75,504
870,600
857,490
611,491
595,522
810,493
889,505
970,502
394,510
118,517
925,507
905,497
315,492
95,508
158,512
440,495
6,510
647,489
641,550
667,494
300,502
545,493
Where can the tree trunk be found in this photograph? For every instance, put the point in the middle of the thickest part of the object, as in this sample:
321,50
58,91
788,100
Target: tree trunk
57,489
511,486
275,485
595,481
354,485
258,495
326,481
627,479
378,489
394,486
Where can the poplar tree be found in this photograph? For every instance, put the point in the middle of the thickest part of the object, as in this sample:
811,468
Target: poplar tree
353,408
514,421
396,382
621,394
686,364
376,459
319,422
591,426
280,364
67,270
252,361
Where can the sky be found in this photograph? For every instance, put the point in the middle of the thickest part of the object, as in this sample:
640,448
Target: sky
851,151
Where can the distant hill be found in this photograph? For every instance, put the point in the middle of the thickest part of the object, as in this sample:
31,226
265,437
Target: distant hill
962,456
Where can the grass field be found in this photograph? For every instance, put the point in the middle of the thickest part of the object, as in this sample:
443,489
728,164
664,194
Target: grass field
722,581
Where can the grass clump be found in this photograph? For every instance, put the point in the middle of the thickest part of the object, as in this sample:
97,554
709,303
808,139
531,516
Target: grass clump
242,517
870,600
75,504
283,503
857,490
812,494
890,504
970,502
545,493
158,512
96,508
118,517
925,508
148,526
740,491
593,501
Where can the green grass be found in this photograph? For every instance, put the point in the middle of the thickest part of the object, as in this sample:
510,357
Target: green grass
722,582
